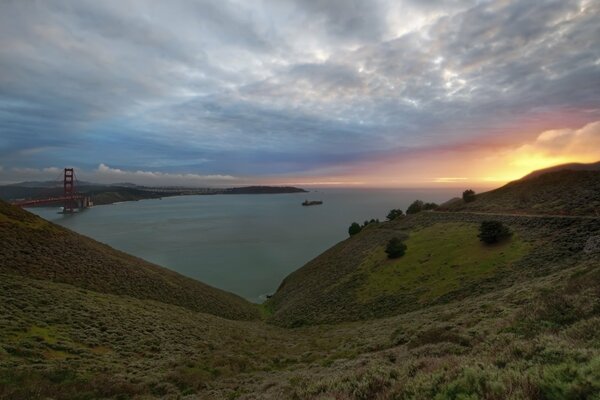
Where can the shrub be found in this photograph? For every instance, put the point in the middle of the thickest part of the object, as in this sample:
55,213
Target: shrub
395,248
394,213
354,229
415,207
430,206
493,231
468,196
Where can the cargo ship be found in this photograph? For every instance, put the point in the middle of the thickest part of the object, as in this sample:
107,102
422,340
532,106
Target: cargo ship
312,203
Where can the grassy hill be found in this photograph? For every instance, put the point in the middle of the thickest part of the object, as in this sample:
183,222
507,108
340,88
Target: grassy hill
34,248
570,166
566,192
445,262
536,339
451,319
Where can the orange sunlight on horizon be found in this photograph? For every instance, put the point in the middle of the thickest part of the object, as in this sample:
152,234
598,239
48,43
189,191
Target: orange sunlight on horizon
465,166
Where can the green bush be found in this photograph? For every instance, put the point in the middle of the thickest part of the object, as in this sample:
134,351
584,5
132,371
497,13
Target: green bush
394,213
372,221
395,248
493,232
430,206
354,229
468,196
415,207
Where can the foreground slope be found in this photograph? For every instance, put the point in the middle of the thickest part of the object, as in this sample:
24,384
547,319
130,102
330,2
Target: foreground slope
537,339
566,192
34,248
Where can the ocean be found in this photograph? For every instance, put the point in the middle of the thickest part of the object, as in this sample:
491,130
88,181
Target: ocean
245,244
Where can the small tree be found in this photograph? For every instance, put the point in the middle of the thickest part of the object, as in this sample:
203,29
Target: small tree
415,207
493,232
395,248
468,196
394,213
354,229
430,206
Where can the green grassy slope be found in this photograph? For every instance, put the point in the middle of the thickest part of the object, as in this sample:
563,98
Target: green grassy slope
534,340
537,339
560,192
35,248
445,261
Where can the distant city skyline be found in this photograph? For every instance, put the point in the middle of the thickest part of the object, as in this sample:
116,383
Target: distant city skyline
301,92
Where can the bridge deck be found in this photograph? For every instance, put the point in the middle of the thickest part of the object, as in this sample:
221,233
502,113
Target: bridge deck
49,200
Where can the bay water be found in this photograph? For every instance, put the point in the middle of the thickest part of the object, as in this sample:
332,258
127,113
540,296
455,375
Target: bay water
245,244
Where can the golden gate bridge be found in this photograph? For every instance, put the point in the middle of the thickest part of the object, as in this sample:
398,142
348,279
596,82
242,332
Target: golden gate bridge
70,199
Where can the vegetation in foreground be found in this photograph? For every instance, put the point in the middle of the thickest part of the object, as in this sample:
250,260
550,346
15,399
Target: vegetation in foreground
534,340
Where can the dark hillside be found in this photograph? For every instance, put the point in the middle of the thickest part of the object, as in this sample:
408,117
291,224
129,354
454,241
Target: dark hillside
444,262
38,249
564,192
571,167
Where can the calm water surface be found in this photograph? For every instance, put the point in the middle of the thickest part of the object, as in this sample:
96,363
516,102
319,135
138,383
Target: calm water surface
245,244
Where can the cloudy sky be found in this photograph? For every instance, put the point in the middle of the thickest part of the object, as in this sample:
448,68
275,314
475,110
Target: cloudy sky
310,92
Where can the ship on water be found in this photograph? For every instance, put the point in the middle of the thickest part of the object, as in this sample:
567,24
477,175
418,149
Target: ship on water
312,203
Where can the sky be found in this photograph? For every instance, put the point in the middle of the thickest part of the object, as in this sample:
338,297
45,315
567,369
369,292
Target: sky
414,93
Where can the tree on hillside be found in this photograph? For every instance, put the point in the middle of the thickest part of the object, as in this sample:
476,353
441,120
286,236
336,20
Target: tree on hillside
415,207
367,222
394,213
468,195
395,248
493,232
354,229
430,206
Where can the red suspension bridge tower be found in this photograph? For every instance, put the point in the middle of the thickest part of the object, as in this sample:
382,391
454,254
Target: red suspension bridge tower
69,191
70,199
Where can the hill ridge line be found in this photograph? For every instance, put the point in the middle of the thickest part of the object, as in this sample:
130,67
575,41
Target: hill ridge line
520,215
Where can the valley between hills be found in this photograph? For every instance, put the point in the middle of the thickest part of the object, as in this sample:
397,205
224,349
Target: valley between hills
453,318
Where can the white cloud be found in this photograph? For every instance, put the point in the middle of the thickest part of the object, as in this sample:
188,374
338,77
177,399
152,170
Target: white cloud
580,144
106,174
16,174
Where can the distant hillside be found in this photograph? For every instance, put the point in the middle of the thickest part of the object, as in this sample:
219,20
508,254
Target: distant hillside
571,167
101,194
564,192
108,194
38,249
445,262
263,190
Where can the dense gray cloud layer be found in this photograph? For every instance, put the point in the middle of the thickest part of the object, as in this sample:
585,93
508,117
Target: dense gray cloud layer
286,87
